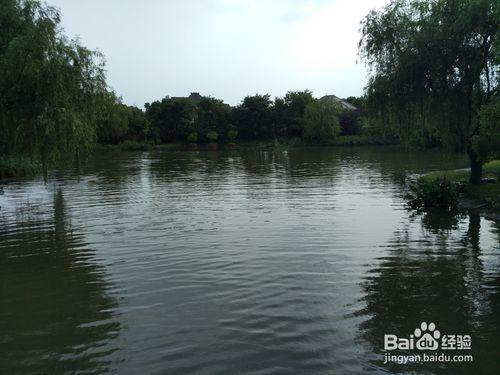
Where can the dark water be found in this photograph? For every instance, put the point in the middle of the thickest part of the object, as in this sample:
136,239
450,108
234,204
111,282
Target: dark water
253,262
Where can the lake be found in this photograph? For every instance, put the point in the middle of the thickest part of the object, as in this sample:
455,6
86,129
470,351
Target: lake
239,262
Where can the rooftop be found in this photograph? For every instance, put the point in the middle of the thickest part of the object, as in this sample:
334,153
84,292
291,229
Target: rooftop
343,103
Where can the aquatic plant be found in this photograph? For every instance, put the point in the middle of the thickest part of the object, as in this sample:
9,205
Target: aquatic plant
439,193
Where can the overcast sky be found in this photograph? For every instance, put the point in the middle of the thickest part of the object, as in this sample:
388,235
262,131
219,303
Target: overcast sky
224,48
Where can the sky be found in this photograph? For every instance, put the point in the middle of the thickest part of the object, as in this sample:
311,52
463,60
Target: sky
227,49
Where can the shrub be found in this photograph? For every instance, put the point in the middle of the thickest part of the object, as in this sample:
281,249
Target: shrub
212,136
18,167
439,193
192,137
321,122
232,134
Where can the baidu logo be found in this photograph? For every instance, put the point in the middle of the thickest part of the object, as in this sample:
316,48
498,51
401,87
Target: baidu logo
427,337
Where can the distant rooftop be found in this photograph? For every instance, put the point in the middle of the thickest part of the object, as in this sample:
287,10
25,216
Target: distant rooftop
192,96
341,102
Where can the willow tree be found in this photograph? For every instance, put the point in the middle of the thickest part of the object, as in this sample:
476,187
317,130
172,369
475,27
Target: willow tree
433,66
321,121
50,87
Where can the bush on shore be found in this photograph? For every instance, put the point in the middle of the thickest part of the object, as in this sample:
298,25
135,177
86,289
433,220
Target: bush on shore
18,167
443,189
439,193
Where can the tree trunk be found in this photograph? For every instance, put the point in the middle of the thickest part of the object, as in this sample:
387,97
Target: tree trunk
476,166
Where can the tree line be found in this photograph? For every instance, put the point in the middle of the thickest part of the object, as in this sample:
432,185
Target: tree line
297,115
257,117
434,82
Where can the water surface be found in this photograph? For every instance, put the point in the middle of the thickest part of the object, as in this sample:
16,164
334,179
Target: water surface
250,261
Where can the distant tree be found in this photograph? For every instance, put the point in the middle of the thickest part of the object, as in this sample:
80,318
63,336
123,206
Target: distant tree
232,134
296,103
138,125
183,116
358,101
350,122
172,119
253,118
113,124
212,136
175,118
321,122
212,115
192,137
434,65
280,118
51,88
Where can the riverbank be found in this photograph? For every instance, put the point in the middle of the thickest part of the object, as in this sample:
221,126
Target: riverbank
343,140
484,196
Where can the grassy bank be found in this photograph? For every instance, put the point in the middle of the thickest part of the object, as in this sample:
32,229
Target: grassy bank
488,193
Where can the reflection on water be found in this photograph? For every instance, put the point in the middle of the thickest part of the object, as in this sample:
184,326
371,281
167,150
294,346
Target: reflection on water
437,269
249,261
55,314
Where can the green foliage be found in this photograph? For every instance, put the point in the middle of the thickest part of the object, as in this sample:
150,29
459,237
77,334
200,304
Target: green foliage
487,193
487,142
253,118
433,66
212,136
193,137
171,119
114,122
297,101
287,114
358,102
14,167
211,114
232,134
256,118
138,125
51,87
378,132
439,193
321,122
119,122
295,104
176,118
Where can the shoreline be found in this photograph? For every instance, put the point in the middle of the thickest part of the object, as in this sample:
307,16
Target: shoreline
484,198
